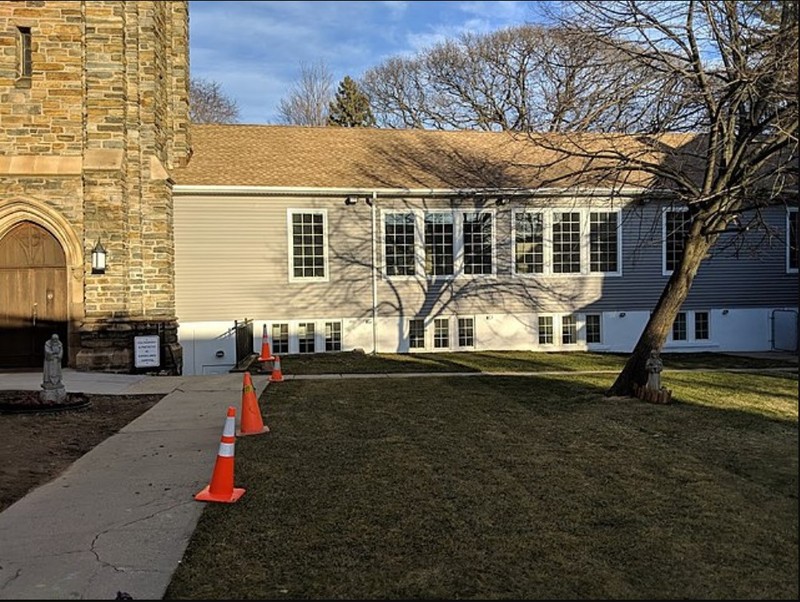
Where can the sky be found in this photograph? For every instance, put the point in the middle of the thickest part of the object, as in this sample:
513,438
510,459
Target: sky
255,50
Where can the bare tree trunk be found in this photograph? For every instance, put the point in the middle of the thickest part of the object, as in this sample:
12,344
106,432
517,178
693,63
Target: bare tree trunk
668,306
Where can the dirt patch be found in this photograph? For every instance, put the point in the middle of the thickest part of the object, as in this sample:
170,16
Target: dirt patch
36,447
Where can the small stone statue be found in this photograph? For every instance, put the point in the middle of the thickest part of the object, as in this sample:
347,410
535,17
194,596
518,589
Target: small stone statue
654,366
54,390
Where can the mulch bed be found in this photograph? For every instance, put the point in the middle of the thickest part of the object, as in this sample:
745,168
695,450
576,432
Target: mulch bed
27,402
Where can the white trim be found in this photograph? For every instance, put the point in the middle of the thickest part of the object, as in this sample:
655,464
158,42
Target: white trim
584,221
290,241
467,193
418,262
789,211
459,241
457,333
664,211
537,331
449,324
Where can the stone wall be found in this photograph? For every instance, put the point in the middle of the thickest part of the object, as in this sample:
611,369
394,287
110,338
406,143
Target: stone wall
91,138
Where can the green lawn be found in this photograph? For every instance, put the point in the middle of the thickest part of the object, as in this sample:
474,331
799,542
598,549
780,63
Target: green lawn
500,361
518,487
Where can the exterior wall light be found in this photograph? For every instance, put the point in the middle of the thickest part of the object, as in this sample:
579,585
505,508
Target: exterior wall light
351,200
98,259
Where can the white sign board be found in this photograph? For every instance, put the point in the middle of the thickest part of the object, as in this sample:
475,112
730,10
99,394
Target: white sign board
146,352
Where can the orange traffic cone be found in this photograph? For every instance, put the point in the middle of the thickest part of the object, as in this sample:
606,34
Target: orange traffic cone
252,423
277,375
266,353
221,488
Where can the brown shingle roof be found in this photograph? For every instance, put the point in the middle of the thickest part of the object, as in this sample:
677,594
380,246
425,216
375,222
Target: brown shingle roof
334,157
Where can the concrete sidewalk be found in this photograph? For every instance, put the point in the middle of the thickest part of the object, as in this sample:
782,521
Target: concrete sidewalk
121,516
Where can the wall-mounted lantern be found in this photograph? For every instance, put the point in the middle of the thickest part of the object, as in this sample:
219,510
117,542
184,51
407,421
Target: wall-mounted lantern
98,259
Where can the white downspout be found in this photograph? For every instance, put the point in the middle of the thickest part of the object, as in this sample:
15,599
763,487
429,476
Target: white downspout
374,207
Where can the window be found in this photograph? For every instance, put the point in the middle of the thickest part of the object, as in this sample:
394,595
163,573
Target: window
24,60
416,334
679,327
333,336
545,330
566,243
603,248
569,330
593,329
280,338
439,254
308,253
529,242
676,227
701,325
791,237
441,333
478,243
399,244
466,332
305,337
552,241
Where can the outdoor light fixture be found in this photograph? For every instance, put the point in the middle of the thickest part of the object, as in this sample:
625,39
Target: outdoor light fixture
98,259
501,201
351,200
622,314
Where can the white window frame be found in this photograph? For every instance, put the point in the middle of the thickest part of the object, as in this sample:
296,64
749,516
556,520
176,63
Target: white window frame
685,327
458,243
791,213
419,244
576,326
584,218
664,211
324,333
424,335
449,325
599,316
554,326
271,332
290,213
458,332
694,325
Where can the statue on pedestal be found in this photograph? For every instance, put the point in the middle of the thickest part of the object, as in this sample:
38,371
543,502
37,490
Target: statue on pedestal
54,390
654,366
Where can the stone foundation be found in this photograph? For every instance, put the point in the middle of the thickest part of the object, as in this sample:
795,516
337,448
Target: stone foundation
109,347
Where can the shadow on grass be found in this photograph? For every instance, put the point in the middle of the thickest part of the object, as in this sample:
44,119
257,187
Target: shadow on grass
503,487
502,361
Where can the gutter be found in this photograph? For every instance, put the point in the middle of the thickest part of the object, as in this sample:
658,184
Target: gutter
227,190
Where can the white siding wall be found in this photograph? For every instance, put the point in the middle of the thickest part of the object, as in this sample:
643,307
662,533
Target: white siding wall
729,330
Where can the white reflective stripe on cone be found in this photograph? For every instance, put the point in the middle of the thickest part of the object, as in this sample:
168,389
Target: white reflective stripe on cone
226,450
230,427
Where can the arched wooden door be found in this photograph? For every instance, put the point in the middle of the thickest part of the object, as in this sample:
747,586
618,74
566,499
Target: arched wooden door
33,295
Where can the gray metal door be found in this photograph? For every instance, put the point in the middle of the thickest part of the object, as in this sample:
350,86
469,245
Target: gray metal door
784,330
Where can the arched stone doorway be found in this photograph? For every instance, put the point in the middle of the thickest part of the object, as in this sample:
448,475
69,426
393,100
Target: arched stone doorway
34,301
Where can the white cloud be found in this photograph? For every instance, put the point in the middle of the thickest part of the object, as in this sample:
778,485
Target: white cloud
254,49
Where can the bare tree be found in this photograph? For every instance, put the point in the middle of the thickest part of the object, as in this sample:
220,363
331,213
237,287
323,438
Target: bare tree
728,75
209,104
309,97
525,78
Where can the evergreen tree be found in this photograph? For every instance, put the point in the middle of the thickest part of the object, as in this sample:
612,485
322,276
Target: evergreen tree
350,107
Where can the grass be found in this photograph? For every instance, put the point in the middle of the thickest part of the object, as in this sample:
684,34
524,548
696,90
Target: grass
523,487
501,361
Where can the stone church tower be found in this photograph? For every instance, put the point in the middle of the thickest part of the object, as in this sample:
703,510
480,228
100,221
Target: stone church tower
93,119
